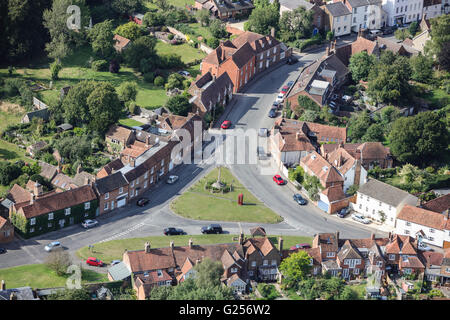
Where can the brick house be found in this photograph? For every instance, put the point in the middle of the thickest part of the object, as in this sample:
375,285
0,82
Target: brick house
208,91
350,260
225,9
328,244
263,259
361,44
54,210
244,57
112,192
445,268
6,230
433,266
402,256
137,18
314,164
118,137
110,168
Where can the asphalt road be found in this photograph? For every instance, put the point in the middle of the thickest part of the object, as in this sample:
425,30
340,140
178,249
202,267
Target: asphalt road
249,111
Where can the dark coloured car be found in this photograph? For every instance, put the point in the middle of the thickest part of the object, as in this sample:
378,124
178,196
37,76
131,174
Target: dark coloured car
212,228
299,199
276,105
2,250
389,30
343,212
272,113
173,232
290,83
292,60
142,202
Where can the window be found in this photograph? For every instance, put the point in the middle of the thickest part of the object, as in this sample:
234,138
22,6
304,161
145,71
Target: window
406,231
268,53
160,274
49,225
87,205
233,270
146,175
431,238
132,183
137,181
253,263
431,230
265,262
106,206
151,179
67,211
145,184
153,170
330,254
379,264
392,257
106,195
32,221
31,230
50,216
408,223
337,19
250,273
356,271
162,162
120,190
274,262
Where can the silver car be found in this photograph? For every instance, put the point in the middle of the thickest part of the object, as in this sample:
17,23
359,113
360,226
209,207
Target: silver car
360,218
52,246
172,179
89,223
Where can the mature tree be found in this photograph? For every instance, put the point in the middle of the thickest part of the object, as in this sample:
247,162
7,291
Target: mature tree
352,189
413,27
175,80
162,4
208,273
74,105
402,34
360,65
153,19
312,185
416,139
296,24
374,133
358,126
179,105
129,30
203,17
297,174
142,48
101,36
217,29
104,107
127,91
9,172
422,68
55,68
262,20
295,268
70,294
310,115
63,39
389,83
126,7
440,38
387,57
58,261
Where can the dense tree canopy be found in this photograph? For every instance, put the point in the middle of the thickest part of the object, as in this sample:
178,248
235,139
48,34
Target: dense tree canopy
295,268
126,7
263,19
360,65
296,24
440,38
129,30
179,105
141,49
101,36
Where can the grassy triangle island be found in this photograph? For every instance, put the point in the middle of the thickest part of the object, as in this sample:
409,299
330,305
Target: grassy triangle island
215,197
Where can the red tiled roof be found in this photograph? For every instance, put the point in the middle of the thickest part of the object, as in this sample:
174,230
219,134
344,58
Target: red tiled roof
439,204
422,217
412,262
17,194
334,193
401,245
4,222
321,168
121,42
119,133
432,258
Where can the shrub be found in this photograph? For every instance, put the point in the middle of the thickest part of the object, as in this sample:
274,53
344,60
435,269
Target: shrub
149,77
114,66
170,36
99,65
58,261
213,42
55,68
133,108
159,81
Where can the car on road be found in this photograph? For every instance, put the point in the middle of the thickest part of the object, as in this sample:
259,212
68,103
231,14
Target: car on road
184,73
114,262
284,90
299,199
279,98
212,228
263,132
301,246
172,179
89,223
53,246
360,218
278,179
272,113
2,250
290,83
276,105
226,124
388,30
142,202
94,262
292,60
343,212
173,232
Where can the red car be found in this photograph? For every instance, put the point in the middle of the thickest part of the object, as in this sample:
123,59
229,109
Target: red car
278,179
226,124
301,246
284,90
94,262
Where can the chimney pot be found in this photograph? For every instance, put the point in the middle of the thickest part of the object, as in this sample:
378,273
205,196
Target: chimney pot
3,285
280,244
191,243
172,244
241,238
147,247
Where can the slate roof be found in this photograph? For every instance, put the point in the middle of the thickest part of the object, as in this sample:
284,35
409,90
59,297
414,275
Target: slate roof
119,271
230,6
41,113
22,293
110,183
119,133
384,192
64,182
114,165
83,178
337,9
206,90
294,4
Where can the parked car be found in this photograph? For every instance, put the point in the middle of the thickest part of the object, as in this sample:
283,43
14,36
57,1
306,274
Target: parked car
301,246
173,232
292,60
284,90
94,262
89,223
272,113
278,179
299,199
360,218
114,262
184,73
388,30
2,250
53,246
172,179
226,124
422,246
276,105
142,202
212,228
343,212
279,98
290,83
263,132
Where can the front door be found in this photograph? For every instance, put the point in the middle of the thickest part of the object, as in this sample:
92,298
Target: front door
345,273
61,223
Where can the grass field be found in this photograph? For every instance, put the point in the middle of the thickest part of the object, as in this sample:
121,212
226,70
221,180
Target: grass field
40,276
197,203
176,3
187,53
200,30
112,250
9,151
130,122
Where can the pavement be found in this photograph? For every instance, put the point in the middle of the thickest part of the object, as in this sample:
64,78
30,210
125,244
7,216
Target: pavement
249,110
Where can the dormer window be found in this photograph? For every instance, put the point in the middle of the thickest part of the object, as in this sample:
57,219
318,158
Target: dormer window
160,274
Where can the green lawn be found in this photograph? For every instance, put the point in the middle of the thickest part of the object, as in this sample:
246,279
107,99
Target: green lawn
130,122
197,203
40,276
200,30
176,3
9,151
112,250
7,118
187,53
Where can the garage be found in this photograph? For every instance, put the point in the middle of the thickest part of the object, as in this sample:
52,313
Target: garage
121,202
322,205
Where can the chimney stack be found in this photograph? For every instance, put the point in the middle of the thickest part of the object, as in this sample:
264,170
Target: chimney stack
13,296
38,189
337,235
79,169
32,198
327,52
132,161
59,169
3,285
280,244
241,238
171,245
297,135
147,247
191,243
